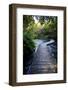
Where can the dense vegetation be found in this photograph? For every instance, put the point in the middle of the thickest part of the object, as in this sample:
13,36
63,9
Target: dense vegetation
37,27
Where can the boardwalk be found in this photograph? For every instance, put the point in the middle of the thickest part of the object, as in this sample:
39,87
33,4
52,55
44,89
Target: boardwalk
42,61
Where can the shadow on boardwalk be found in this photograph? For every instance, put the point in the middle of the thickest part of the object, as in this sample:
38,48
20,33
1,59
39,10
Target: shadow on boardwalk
42,61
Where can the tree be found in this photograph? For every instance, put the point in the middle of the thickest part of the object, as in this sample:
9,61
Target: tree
27,21
28,44
42,20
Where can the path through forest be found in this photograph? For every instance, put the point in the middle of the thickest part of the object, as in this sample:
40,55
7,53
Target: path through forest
42,61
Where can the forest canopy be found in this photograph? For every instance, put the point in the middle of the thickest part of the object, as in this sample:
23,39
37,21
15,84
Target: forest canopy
40,26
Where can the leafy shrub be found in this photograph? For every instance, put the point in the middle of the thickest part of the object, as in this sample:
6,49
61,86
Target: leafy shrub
28,44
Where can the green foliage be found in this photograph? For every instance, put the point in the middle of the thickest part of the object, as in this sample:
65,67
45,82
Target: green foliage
28,44
51,28
41,19
27,20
